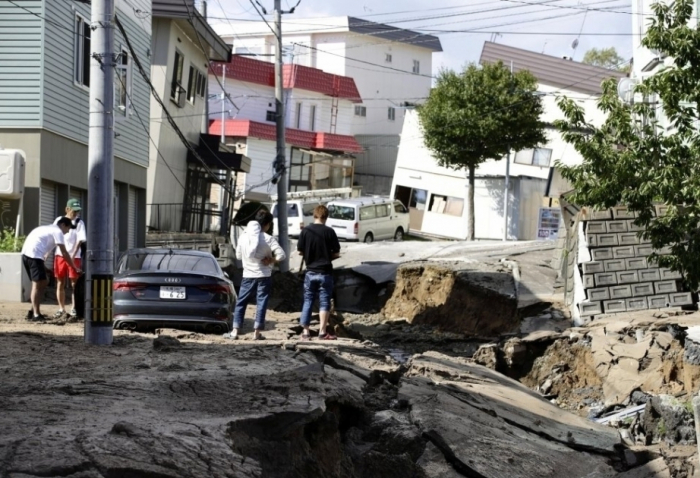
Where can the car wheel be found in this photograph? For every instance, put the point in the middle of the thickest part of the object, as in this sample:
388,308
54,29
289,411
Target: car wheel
369,237
398,235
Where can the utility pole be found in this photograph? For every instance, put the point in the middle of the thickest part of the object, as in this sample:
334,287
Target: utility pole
99,260
280,160
223,192
507,181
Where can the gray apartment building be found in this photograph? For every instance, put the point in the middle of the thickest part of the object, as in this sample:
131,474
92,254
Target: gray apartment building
44,88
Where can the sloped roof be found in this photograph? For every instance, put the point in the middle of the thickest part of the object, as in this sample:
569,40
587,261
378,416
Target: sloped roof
295,76
296,137
388,32
550,70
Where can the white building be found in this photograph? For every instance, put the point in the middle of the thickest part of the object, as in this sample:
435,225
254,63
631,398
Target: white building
319,106
391,67
183,46
436,196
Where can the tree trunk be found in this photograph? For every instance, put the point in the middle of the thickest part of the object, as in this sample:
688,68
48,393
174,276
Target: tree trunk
470,204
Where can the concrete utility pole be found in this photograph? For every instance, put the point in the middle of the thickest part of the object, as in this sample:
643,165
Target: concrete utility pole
99,260
507,181
280,160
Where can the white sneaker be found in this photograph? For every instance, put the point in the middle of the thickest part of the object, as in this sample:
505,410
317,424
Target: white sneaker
231,335
73,313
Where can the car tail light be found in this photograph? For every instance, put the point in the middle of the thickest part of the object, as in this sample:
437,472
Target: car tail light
126,285
215,288
357,228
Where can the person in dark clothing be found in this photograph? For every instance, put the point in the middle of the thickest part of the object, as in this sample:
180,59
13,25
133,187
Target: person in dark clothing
319,246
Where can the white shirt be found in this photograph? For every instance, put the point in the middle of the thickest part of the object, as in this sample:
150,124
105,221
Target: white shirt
41,241
73,236
254,246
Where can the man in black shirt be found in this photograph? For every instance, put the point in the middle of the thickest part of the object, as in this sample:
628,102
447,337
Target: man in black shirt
319,246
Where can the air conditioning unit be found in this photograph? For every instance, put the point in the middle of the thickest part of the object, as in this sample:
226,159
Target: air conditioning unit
181,97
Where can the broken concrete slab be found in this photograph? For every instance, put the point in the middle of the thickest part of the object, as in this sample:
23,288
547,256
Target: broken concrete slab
654,469
475,299
479,443
511,401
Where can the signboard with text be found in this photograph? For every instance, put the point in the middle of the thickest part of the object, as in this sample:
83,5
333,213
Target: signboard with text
548,223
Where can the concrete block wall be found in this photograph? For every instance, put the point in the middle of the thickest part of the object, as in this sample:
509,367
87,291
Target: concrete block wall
619,277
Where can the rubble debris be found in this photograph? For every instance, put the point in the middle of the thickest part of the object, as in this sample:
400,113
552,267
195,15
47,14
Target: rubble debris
475,299
669,419
165,343
653,469
621,415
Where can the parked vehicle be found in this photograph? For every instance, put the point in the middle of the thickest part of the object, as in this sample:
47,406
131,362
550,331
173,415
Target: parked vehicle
172,287
300,213
368,219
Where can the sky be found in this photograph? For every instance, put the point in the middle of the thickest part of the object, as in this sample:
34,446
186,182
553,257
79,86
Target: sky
548,26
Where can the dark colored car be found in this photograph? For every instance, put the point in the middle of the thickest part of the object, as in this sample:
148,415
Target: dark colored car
172,288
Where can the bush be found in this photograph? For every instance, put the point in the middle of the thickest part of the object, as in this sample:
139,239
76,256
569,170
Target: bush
8,243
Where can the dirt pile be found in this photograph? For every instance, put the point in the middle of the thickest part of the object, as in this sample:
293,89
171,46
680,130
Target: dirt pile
474,299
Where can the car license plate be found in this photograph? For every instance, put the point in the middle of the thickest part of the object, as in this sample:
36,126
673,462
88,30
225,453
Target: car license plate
168,292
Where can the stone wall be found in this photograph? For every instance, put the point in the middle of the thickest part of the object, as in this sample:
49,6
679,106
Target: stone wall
617,274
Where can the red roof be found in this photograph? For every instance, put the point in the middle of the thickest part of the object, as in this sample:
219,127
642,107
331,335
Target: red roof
295,137
295,76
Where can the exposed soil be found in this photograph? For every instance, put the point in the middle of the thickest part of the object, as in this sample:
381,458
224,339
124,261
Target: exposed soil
473,299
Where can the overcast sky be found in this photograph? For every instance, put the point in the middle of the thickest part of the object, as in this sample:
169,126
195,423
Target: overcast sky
537,25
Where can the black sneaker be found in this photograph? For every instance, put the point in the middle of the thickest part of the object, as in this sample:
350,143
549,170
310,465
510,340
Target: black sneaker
37,318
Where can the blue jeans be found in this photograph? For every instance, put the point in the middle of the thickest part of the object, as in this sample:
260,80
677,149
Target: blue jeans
251,287
316,284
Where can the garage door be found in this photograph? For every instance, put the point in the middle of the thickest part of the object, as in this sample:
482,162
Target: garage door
132,217
48,203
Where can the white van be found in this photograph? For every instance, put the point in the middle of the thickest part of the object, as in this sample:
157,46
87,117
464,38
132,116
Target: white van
299,214
368,219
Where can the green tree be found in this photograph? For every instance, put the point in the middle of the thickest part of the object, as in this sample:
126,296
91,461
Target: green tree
606,58
634,160
479,114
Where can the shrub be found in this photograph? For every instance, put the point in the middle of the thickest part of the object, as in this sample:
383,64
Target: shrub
8,243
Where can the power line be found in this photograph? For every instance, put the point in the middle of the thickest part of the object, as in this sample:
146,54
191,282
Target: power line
253,2
391,28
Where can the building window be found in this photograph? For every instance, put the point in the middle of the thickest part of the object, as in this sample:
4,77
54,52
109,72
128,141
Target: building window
312,118
360,110
449,205
81,57
122,82
176,88
392,113
416,67
270,116
387,58
418,199
297,119
192,85
201,84
535,157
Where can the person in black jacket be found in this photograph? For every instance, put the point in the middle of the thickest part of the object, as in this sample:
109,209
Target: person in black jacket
319,246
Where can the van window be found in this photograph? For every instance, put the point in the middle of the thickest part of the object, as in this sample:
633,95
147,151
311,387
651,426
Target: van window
383,210
292,210
344,213
367,212
308,209
399,208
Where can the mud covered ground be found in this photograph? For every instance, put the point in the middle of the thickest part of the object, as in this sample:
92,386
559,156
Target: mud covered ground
183,404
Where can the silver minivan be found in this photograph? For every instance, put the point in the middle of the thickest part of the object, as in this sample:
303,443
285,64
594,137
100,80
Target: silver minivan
299,214
368,219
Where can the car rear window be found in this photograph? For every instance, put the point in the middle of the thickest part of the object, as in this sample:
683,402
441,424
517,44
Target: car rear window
292,210
164,261
345,213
